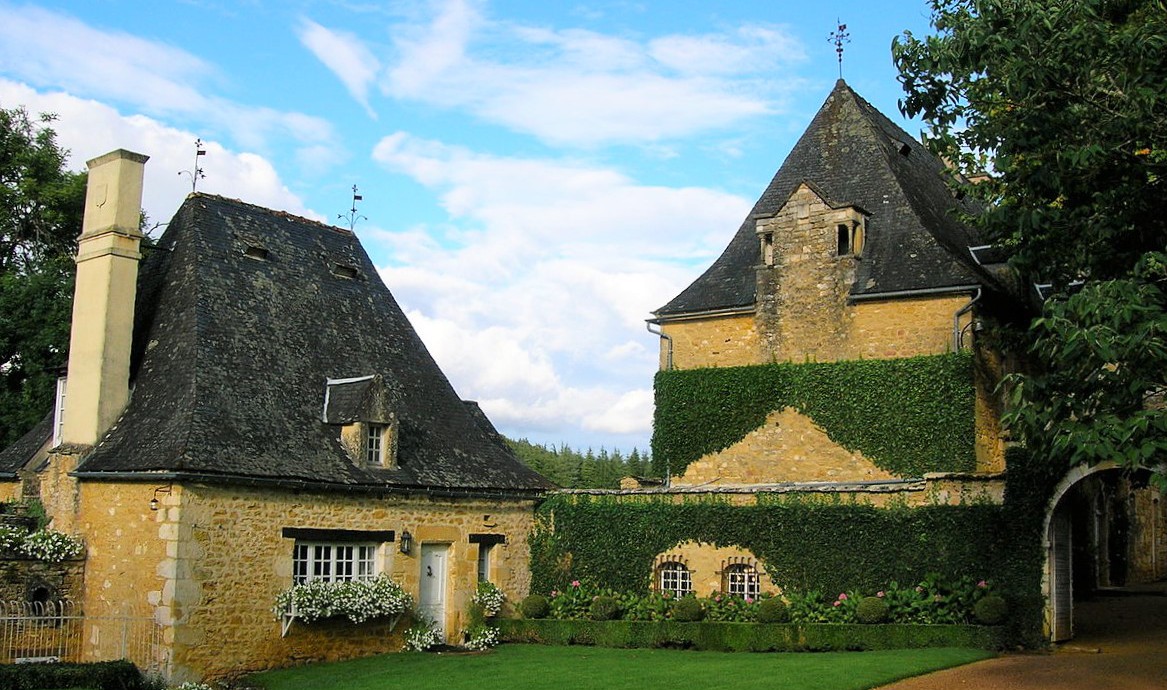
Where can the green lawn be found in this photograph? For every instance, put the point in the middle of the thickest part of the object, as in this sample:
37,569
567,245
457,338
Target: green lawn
535,667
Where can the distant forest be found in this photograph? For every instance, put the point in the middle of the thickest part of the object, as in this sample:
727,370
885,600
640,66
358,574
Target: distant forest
572,469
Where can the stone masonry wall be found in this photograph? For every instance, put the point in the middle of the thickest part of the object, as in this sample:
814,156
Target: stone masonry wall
788,447
212,560
721,341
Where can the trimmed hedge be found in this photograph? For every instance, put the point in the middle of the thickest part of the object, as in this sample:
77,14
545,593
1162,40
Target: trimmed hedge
909,416
105,675
747,637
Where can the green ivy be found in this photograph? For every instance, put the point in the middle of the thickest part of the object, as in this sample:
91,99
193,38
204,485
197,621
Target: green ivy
909,416
609,541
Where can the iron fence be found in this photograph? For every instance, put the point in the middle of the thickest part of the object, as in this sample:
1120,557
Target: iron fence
32,631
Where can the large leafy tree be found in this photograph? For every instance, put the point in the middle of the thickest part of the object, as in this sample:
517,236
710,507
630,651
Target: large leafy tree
41,206
1063,104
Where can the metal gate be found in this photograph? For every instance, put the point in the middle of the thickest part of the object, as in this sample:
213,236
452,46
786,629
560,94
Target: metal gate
61,631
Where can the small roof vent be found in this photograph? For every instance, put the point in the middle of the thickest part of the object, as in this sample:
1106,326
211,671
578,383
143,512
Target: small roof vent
346,271
256,252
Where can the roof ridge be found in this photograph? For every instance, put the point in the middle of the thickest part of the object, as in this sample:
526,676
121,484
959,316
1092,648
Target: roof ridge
271,212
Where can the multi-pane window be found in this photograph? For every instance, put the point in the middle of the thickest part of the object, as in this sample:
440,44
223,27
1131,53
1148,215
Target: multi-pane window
333,562
484,562
741,580
59,410
374,442
674,577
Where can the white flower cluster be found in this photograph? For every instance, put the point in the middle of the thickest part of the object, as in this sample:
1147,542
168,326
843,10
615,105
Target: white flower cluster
482,637
54,547
490,598
11,538
421,637
359,600
193,686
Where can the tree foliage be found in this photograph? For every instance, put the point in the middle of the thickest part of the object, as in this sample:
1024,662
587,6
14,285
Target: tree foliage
571,469
41,205
1062,103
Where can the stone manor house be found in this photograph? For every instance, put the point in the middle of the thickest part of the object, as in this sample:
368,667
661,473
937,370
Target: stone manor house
246,407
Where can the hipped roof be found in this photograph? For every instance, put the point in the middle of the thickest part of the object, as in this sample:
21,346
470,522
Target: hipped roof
242,315
852,155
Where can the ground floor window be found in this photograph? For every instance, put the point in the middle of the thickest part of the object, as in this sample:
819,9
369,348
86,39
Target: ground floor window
333,562
674,577
484,562
741,580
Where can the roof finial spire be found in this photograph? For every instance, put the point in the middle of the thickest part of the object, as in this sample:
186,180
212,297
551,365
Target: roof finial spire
196,174
839,36
352,216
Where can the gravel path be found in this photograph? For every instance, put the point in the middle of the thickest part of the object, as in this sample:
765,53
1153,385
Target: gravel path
1120,643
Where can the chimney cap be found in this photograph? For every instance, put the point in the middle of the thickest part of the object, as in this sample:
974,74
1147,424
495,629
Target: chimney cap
116,155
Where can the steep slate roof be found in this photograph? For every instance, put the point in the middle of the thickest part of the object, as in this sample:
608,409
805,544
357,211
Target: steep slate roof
231,355
853,155
14,457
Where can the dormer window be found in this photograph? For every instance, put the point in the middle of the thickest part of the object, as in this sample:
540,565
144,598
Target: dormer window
59,411
375,444
849,238
767,248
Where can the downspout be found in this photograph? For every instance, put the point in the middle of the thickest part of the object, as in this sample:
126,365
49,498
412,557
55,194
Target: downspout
668,339
956,320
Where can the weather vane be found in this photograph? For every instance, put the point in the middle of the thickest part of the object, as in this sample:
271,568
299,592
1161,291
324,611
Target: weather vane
197,173
839,37
352,217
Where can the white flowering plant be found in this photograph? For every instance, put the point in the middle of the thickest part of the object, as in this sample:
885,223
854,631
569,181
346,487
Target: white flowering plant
11,538
54,547
193,686
422,636
490,598
481,637
358,600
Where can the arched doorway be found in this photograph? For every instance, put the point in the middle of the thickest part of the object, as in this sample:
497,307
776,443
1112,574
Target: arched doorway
1105,528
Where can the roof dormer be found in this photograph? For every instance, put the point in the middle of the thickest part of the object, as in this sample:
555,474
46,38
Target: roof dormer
368,427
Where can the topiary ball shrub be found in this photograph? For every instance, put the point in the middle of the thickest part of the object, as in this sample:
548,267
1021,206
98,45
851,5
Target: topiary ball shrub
535,606
773,610
991,609
871,610
604,608
688,609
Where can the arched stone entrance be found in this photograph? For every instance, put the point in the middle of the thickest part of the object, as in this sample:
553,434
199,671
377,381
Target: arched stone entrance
1103,528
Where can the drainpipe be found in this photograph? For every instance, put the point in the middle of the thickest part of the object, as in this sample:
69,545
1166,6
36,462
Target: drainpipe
956,320
668,350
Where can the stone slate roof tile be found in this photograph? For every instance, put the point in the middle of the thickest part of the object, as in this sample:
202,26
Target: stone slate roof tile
851,154
233,347
16,456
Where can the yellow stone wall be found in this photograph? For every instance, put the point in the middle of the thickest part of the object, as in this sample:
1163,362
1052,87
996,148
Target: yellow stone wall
211,562
788,447
720,341
10,491
902,328
706,563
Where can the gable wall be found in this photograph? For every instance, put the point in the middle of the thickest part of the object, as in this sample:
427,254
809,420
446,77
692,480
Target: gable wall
210,563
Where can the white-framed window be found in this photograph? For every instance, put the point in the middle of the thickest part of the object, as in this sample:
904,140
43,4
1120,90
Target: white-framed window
674,577
741,580
375,444
59,411
484,562
333,562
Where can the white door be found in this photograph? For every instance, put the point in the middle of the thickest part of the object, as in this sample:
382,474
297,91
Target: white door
432,597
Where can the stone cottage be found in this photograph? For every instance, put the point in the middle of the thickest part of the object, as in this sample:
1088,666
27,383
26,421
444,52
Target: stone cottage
855,254
246,407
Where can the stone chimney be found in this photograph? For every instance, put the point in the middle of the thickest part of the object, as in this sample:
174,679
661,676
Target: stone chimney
98,383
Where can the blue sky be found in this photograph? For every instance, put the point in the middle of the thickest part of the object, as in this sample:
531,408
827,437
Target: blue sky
537,176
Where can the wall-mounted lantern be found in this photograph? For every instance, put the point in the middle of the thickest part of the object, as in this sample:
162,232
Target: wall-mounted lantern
406,542
159,490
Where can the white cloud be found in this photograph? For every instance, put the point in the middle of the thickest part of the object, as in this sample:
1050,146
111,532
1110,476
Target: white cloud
54,50
88,129
573,86
345,55
547,279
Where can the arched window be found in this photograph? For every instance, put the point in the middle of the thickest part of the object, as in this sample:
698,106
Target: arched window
741,580
674,577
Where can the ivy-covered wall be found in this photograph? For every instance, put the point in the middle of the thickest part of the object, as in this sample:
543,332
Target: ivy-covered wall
909,416
809,543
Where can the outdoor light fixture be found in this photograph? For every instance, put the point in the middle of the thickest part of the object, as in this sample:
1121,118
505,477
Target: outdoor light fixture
159,490
406,542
